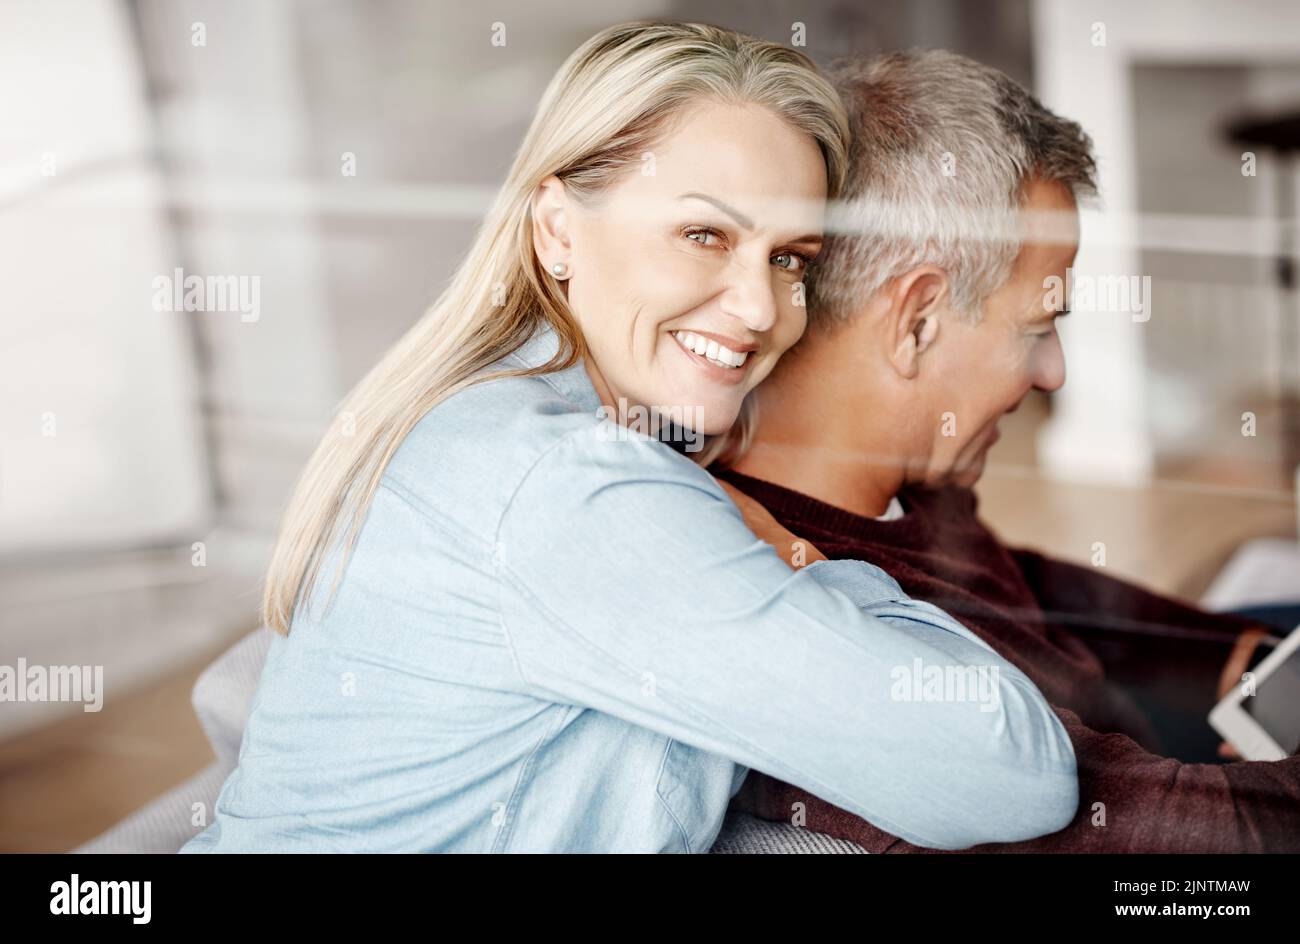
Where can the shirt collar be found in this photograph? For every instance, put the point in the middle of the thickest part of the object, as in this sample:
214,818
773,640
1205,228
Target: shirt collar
573,383
893,512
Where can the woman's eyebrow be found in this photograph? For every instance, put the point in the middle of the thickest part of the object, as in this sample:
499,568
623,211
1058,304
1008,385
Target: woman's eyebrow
744,221
741,219
812,239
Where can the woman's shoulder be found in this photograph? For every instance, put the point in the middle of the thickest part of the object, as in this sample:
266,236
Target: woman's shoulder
466,456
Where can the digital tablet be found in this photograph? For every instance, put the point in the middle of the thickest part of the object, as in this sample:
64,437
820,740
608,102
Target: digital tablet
1260,717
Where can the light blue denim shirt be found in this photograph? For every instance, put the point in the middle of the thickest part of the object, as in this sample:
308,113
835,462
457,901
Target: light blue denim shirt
552,637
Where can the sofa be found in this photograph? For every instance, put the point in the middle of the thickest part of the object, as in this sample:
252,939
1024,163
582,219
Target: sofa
1262,572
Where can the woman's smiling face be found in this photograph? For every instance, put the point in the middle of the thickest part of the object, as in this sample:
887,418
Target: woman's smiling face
701,249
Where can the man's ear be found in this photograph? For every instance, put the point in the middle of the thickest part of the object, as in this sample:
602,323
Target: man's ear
916,299
551,223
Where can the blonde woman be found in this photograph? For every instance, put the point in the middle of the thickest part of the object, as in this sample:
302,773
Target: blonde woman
546,629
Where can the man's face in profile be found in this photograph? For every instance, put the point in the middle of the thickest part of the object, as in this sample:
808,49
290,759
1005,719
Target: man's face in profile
979,372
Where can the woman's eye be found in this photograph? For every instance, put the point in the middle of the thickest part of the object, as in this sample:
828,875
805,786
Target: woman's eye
702,236
790,261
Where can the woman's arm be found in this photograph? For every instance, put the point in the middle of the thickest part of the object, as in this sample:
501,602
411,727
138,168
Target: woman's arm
635,588
791,548
1132,802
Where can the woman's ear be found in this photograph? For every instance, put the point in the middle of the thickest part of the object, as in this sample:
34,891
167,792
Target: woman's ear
551,224
915,302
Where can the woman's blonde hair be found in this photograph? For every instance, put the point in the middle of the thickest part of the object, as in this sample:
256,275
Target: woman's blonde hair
609,104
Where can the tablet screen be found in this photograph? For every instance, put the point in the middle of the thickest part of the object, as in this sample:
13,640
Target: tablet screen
1275,706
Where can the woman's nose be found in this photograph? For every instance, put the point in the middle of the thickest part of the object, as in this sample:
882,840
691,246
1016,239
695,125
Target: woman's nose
750,296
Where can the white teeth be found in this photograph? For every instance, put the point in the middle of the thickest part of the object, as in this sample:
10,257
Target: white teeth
710,349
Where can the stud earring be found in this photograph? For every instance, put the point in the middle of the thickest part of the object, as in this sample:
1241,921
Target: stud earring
560,270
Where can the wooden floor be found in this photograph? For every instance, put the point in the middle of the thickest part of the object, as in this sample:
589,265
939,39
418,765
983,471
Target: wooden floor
70,781
1170,539
1173,536
66,783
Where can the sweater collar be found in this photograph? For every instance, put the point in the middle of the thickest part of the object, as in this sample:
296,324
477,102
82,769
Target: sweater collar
791,507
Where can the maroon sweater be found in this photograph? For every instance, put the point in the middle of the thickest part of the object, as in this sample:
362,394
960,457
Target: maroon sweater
1071,630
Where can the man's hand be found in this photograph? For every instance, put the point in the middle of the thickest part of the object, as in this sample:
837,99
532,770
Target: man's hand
759,520
1234,669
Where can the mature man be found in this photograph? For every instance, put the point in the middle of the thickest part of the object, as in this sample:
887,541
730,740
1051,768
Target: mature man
928,323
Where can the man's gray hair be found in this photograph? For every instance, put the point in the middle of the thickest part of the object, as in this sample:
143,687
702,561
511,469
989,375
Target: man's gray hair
942,148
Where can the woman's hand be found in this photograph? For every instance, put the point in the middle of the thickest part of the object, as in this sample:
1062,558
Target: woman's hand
793,550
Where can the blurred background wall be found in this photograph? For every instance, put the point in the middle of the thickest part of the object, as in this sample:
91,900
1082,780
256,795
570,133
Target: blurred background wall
338,155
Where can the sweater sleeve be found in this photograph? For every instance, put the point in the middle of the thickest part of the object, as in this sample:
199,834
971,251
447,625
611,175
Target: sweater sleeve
1129,801
1088,599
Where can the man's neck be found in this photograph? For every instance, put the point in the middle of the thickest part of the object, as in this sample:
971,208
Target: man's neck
834,455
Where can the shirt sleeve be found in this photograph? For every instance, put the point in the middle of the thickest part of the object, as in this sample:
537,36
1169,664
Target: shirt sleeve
632,586
1132,801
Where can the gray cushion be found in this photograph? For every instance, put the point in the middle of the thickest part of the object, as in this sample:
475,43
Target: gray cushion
745,834
164,825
